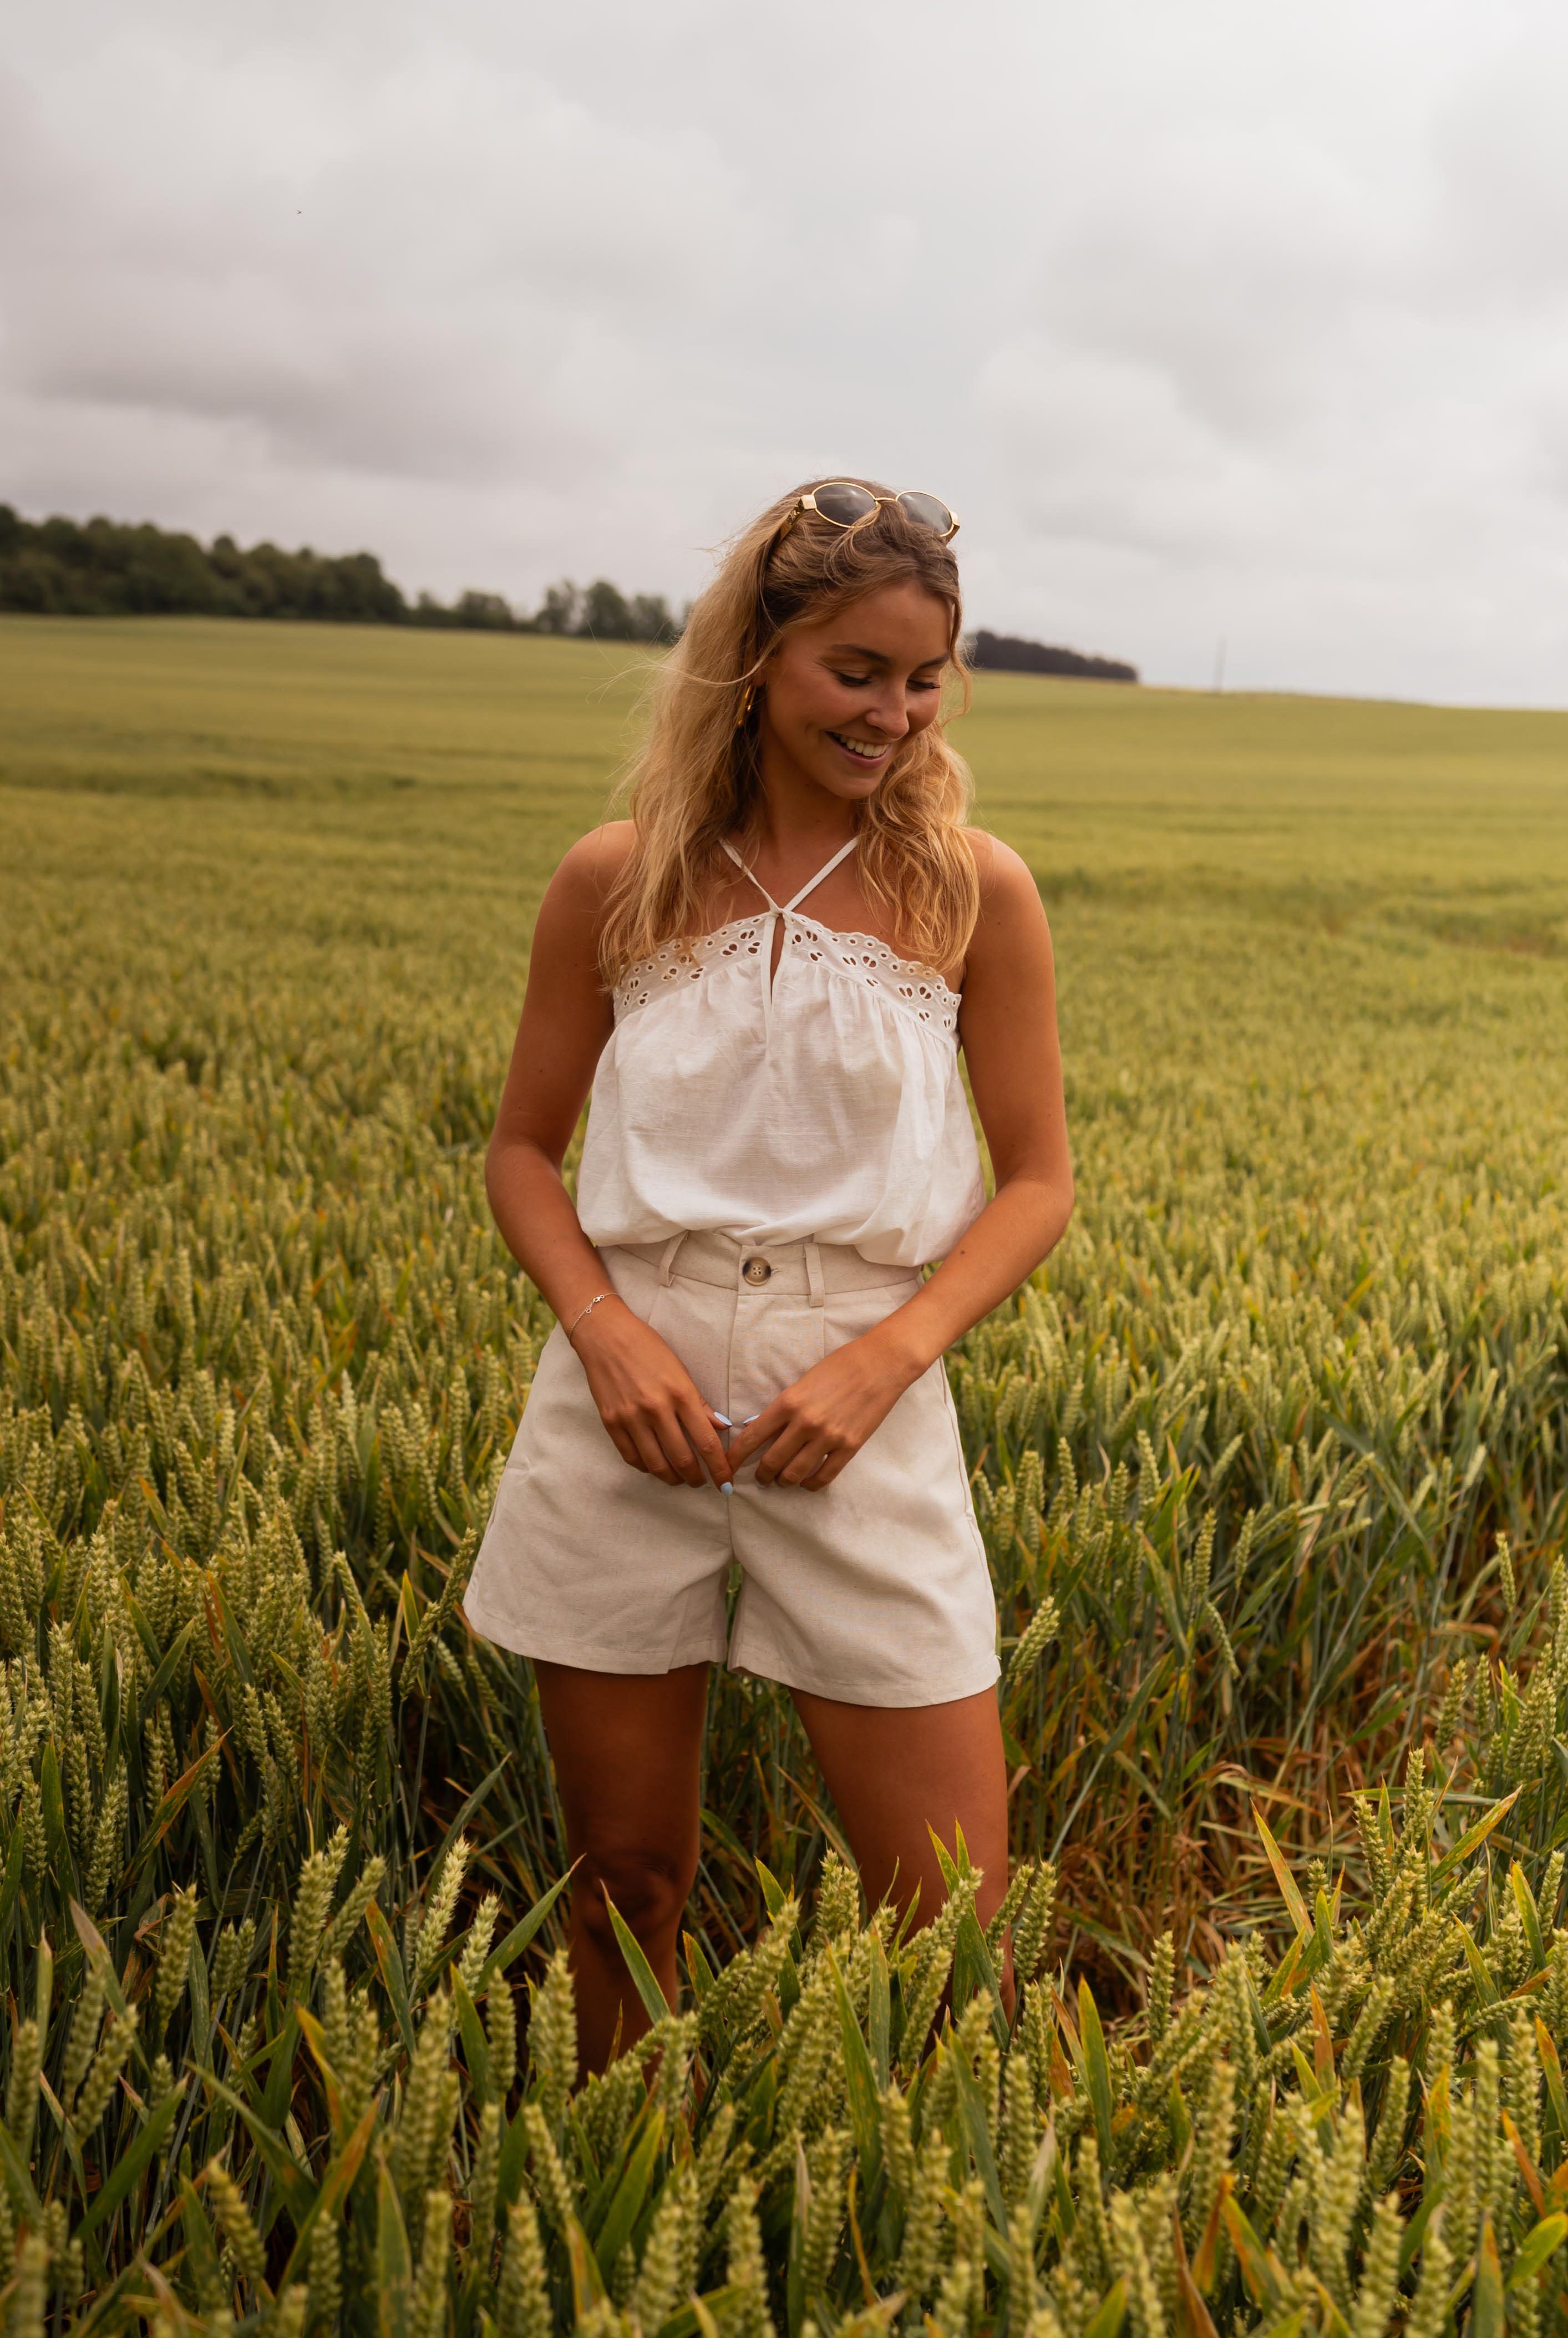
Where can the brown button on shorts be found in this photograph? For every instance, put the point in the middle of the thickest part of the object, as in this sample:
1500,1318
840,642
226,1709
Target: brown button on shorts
874,1591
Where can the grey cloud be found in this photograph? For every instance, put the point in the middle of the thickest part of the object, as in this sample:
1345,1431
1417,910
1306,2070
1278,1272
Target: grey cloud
1206,319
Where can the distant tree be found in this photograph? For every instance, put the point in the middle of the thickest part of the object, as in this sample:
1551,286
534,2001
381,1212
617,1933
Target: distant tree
62,567
560,610
606,615
106,569
32,581
1005,653
652,620
365,590
485,613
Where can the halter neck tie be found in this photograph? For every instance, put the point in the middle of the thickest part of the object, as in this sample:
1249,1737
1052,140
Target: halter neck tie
783,911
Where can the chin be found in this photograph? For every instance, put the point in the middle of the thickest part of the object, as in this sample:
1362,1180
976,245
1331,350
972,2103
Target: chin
831,770
848,789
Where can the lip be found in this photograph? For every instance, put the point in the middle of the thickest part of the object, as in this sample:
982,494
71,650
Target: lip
861,762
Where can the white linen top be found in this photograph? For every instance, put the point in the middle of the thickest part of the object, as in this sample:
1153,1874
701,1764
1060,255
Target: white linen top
824,1105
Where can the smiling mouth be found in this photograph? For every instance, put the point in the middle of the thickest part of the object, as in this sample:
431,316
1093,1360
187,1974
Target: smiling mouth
862,748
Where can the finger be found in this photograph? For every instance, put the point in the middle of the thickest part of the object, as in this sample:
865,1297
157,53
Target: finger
791,1441
726,1484
755,1433
654,1458
626,1448
671,1431
806,1464
822,1476
705,1443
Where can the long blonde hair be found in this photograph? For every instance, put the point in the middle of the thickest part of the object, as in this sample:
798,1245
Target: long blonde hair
697,778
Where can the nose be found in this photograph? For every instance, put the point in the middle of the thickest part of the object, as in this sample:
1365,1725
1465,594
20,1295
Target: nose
888,710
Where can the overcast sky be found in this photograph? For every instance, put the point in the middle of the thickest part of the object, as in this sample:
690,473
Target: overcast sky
1210,320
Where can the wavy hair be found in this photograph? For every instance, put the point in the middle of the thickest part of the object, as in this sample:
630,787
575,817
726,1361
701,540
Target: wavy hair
697,779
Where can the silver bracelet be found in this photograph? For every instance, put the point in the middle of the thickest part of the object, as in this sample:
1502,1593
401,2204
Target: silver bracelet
587,1311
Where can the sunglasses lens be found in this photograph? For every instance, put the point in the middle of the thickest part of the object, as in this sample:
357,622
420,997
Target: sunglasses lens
926,511
844,503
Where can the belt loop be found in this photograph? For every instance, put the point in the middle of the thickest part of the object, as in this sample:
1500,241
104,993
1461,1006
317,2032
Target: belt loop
668,1256
814,1282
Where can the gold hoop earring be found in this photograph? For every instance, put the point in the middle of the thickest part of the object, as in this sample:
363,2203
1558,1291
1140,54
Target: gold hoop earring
747,703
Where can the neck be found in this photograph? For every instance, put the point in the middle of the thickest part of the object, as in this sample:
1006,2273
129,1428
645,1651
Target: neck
796,817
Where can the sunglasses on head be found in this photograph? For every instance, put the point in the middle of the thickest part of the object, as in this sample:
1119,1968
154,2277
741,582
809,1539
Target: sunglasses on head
843,504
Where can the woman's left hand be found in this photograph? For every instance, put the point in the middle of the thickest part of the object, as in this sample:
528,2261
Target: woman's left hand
816,1427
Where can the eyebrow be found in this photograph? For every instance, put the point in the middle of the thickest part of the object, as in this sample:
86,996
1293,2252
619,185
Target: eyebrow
876,657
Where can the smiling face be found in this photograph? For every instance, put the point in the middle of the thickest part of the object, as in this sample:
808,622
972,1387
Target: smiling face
839,695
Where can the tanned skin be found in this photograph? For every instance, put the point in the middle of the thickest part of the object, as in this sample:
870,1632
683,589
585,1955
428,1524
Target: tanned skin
626,1749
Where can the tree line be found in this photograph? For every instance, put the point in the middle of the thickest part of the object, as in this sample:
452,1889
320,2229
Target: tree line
105,568
1005,653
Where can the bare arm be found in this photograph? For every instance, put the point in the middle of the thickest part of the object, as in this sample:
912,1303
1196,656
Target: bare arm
1007,1023
646,1398
565,1022
1008,1027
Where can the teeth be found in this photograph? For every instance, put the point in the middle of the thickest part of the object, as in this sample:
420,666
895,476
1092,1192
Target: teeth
859,747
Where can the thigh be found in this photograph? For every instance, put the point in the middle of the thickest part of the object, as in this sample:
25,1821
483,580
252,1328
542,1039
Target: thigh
895,1771
627,1753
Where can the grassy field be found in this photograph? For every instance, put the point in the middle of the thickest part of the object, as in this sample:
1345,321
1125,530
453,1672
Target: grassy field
1278,1438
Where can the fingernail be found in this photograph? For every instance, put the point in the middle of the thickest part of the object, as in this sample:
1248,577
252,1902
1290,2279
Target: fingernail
749,1418
724,1421
725,1487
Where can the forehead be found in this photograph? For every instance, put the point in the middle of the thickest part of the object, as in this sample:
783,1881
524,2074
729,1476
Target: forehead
898,625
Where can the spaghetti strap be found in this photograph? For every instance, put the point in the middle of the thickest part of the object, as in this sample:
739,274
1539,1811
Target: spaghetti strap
826,871
784,908
751,873
782,913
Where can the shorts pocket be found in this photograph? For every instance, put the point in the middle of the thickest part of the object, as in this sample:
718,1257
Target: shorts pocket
634,1280
686,1315
851,1313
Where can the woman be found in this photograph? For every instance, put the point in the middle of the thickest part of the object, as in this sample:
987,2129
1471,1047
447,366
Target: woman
765,975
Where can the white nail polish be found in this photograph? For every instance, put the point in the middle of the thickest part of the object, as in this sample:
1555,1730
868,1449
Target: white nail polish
725,1488
724,1421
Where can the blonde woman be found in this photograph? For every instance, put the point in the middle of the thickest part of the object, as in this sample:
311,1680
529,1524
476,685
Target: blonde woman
765,976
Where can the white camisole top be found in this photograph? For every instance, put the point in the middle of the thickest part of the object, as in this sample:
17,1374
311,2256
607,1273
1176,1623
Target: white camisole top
823,1105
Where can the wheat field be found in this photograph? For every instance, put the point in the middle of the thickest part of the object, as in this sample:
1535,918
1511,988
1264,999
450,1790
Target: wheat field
1270,1459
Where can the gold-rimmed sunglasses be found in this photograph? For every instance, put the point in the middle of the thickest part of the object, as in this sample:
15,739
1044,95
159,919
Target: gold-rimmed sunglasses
843,504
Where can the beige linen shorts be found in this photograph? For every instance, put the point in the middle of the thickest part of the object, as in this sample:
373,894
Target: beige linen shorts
874,1591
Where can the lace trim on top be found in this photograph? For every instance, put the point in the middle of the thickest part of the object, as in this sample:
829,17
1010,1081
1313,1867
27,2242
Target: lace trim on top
920,989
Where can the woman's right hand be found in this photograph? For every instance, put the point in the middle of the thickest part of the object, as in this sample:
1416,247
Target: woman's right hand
648,1400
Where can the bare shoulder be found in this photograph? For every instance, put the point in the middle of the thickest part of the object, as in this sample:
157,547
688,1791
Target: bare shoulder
586,874
1006,879
571,915
1011,915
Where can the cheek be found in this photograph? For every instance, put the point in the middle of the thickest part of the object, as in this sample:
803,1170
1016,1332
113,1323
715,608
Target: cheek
824,707
802,704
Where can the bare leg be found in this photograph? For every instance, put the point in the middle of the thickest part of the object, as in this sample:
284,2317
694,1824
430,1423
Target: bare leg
627,1749
896,1769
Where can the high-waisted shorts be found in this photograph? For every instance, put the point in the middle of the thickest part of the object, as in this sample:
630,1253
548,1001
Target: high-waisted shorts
874,1591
